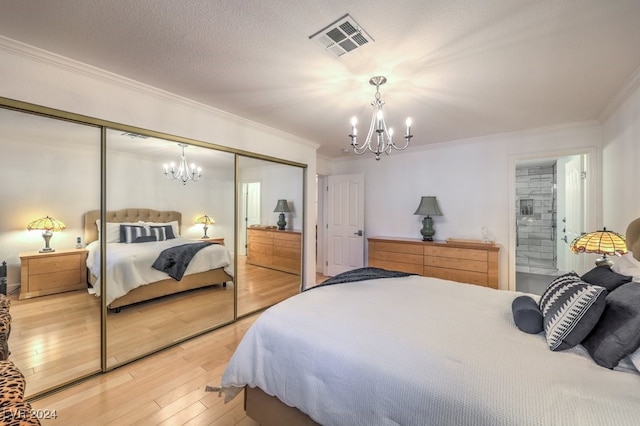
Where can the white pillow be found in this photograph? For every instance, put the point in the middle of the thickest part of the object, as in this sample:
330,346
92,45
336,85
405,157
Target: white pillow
174,226
112,233
627,265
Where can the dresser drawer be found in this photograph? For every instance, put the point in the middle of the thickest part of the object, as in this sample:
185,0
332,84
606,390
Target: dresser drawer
289,252
286,236
286,264
456,253
261,248
397,248
396,266
461,264
260,238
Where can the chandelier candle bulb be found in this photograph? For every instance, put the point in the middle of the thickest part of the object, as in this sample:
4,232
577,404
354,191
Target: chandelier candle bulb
408,126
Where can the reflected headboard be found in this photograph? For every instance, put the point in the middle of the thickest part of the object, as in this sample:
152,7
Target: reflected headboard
632,238
127,215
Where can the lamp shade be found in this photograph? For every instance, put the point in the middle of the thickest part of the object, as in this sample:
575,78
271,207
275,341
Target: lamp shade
282,206
600,242
46,224
206,220
428,207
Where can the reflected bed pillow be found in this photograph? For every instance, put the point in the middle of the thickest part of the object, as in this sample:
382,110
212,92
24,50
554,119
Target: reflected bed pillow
162,232
605,277
175,227
112,232
570,309
130,233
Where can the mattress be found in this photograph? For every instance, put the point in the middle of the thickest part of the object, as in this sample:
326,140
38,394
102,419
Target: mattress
129,265
422,351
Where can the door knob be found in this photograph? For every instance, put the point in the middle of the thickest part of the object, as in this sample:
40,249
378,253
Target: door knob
359,233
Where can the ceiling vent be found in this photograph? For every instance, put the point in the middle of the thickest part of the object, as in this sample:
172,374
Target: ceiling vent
342,36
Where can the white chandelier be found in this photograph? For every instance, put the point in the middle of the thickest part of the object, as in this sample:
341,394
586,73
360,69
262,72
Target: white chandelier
383,141
184,172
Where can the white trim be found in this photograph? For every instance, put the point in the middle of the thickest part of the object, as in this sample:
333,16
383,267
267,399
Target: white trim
594,195
616,102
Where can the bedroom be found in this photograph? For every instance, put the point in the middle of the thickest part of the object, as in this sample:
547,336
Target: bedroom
485,163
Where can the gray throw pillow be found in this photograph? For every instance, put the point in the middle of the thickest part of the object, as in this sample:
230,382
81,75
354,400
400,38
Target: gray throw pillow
527,315
605,277
570,309
617,334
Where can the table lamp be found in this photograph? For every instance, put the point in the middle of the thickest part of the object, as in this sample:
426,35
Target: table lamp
48,225
283,207
428,207
205,221
601,242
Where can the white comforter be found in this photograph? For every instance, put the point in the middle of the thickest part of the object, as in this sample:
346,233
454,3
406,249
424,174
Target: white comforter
422,351
129,265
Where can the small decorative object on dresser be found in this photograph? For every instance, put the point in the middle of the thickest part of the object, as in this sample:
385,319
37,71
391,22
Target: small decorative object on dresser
283,207
428,207
601,242
205,221
46,224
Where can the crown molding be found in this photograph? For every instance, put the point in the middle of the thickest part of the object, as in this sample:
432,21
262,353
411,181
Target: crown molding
18,48
616,102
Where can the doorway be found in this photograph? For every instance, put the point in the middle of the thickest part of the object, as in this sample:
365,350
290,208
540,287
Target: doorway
550,211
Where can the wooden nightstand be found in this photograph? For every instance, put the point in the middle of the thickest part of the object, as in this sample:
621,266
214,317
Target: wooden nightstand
51,273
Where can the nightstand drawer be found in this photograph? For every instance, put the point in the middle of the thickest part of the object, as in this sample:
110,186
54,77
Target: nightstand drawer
54,280
45,265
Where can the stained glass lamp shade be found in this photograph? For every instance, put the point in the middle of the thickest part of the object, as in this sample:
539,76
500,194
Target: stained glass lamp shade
205,221
48,225
606,243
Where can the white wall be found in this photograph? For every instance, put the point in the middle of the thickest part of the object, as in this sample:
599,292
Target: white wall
621,165
470,178
32,75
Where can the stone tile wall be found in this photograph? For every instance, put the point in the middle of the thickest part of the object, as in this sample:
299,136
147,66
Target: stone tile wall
535,218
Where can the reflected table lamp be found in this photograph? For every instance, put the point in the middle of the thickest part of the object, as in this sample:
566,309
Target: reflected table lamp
606,243
428,207
205,221
48,225
283,207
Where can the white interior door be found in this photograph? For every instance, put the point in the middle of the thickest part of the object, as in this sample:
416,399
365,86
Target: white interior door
574,222
250,211
345,223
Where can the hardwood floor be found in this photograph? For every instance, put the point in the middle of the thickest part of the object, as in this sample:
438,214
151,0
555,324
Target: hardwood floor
164,388
55,339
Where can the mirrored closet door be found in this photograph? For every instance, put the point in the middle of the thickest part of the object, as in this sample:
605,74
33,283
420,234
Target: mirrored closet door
161,214
50,177
270,207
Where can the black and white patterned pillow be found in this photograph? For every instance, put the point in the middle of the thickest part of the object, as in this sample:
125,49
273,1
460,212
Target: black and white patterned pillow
163,232
571,308
129,233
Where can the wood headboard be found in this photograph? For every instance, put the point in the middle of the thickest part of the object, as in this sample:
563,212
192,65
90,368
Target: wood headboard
632,238
127,215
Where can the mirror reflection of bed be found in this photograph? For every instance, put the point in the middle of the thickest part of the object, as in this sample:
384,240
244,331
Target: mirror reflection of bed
147,307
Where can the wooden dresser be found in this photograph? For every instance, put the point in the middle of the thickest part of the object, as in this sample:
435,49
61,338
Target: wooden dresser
466,262
53,272
274,249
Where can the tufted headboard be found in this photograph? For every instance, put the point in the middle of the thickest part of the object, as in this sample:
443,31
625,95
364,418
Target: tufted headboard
127,215
632,238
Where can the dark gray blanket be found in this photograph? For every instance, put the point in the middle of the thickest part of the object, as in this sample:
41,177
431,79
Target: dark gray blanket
174,260
361,274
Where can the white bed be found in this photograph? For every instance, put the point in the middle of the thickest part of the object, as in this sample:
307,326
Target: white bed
129,265
130,277
420,351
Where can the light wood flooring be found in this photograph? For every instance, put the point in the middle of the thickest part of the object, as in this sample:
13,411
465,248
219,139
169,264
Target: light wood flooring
56,339
163,388
167,388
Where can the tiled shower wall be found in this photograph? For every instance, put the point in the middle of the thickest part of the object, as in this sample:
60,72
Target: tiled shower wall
535,219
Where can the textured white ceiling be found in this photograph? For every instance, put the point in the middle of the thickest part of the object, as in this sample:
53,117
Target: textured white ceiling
459,68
